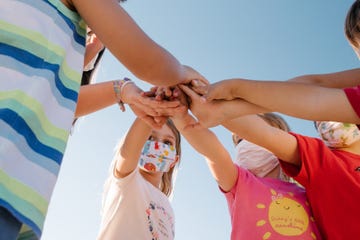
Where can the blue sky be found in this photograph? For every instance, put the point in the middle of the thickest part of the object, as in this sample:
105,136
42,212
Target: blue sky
257,39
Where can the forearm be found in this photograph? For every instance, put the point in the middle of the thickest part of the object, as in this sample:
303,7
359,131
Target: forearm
94,97
254,129
299,100
343,79
130,44
230,109
130,148
206,143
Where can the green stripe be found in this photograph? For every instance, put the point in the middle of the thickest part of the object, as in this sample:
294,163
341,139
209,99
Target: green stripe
73,16
33,114
23,199
36,44
26,233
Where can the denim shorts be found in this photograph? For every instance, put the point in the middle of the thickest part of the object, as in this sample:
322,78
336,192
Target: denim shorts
9,225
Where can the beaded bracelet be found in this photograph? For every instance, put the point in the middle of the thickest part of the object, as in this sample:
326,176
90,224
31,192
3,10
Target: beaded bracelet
118,87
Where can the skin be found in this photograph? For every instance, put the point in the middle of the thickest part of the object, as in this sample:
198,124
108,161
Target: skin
322,96
93,47
206,143
131,147
130,45
251,128
94,97
254,129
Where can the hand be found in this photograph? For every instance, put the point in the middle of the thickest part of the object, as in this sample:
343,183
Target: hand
145,107
175,95
208,114
195,80
222,90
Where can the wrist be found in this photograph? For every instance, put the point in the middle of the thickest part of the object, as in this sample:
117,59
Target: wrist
118,86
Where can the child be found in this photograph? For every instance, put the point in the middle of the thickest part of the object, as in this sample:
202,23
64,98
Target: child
329,175
261,201
93,53
135,200
333,96
42,44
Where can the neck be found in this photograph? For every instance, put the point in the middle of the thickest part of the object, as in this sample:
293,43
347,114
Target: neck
353,148
153,178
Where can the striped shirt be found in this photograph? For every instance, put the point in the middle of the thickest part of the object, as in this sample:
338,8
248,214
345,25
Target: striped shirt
41,60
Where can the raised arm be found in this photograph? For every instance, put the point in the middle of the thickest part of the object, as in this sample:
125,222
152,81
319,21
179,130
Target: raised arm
300,100
94,97
130,45
343,79
254,129
206,143
130,148
251,127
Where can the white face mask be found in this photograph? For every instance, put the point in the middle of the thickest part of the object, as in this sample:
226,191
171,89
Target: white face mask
337,134
157,157
256,159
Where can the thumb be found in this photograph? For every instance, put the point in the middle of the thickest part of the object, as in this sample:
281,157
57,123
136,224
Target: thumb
193,95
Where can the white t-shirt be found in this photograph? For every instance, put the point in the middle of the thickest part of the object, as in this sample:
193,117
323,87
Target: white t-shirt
136,210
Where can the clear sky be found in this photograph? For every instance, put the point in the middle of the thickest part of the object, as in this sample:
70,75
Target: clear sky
255,39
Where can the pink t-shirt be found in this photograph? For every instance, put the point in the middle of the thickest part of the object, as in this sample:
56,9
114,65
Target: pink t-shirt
353,95
267,208
332,182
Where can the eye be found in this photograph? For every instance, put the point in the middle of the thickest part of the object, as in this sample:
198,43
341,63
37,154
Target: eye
168,142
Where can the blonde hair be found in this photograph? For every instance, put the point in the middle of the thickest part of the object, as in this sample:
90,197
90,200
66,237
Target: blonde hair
275,120
272,119
167,180
352,24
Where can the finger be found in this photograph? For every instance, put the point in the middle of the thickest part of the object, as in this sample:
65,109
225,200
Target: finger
153,103
148,94
193,95
151,122
160,120
168,92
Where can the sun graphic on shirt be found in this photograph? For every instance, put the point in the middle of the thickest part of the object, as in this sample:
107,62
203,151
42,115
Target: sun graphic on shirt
286,217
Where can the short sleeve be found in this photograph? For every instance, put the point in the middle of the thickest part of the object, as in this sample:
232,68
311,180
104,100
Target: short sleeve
353,95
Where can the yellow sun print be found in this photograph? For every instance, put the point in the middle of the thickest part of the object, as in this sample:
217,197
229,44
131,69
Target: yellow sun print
286,216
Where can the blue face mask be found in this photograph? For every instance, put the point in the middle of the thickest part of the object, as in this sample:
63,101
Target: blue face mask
157,157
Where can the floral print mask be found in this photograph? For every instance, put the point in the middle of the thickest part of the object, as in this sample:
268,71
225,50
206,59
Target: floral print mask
157,157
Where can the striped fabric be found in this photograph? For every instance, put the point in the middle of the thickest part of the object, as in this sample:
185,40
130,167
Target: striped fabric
41,59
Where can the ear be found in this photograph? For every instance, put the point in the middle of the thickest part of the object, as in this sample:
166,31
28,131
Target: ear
177,158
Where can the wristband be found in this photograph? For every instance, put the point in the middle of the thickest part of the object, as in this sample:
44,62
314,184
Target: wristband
118,87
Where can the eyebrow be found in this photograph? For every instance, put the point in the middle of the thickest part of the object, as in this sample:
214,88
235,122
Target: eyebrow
165,136
169,136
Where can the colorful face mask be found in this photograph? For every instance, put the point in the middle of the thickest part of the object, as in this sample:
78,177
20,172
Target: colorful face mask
337,134
254,158
157,157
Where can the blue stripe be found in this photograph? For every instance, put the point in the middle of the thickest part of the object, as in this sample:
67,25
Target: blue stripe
11,63
23,129
21,217
78,38
36,62
55,14
23,148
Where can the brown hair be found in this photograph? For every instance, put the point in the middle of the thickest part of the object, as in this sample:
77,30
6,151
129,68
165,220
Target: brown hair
166,185
352,24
